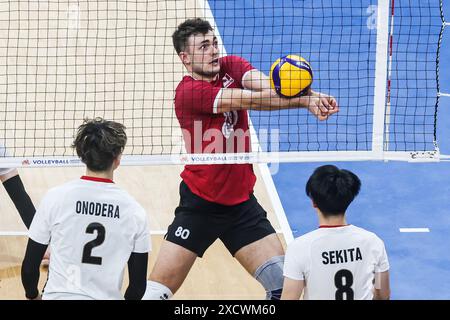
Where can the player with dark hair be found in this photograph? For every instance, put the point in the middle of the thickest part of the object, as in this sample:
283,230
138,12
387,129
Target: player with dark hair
338,261
95,227
217,201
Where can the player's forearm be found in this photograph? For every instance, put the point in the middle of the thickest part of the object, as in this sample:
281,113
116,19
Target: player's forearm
269,100
382,289
137,272
135,292
30,281
381,294
30,268
292,289
238,99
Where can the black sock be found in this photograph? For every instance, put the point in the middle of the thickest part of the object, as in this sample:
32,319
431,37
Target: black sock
21,199
276,294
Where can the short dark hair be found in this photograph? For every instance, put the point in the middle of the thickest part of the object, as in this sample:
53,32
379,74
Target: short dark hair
99,142
188,28
332,189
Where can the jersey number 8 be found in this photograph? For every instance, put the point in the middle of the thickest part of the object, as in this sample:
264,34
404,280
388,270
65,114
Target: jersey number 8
343,280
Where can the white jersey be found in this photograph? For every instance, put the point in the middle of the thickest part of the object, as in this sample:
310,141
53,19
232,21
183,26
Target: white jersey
336,263
94,226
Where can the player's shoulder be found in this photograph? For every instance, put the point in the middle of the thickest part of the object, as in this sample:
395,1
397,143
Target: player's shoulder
231,59
347,230
361,230
131,203
369,235
306,239
186,80
188,85
232,62
126,197
57,194
62,188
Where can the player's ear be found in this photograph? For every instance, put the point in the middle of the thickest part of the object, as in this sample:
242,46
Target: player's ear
314,205
116,162
185,58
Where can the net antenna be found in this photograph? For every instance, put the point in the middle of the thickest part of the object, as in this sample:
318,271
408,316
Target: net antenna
63,61
439,92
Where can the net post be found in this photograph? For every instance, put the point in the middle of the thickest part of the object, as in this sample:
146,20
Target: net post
379,111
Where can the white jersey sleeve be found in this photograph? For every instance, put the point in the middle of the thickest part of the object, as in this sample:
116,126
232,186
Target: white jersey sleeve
383,262
295,261
142,241
40,229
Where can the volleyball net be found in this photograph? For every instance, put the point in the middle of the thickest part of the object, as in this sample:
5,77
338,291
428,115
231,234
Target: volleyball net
63,61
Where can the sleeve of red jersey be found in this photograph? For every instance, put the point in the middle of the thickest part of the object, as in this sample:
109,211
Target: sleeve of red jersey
236,67
196,97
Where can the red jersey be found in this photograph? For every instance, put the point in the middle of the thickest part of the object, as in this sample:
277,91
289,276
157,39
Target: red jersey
206,131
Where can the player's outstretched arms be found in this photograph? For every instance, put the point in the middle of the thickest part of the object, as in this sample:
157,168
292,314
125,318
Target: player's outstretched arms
320,105
321,101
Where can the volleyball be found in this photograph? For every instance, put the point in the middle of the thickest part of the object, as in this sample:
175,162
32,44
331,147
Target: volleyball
291,76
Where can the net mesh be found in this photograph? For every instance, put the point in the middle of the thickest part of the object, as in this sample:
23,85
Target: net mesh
413,94
62,61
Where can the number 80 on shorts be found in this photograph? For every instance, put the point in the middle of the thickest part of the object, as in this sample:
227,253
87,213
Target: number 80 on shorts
182,233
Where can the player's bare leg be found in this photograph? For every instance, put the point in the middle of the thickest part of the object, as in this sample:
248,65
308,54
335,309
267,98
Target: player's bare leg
171,269
254,254
264,259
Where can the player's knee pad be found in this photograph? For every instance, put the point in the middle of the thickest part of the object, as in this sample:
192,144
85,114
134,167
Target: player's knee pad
156,291
270,275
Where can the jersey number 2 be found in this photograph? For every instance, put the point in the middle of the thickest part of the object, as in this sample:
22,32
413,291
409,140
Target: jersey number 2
343,280
87,250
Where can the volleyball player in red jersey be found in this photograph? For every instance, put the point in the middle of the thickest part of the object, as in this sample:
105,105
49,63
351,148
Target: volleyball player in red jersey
217,201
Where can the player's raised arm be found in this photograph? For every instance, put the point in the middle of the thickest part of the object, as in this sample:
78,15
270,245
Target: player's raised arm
267,99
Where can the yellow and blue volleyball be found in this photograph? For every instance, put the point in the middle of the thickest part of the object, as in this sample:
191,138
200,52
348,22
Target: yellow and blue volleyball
291,76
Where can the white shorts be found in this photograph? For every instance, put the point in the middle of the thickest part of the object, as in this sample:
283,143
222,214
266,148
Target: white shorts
3,153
